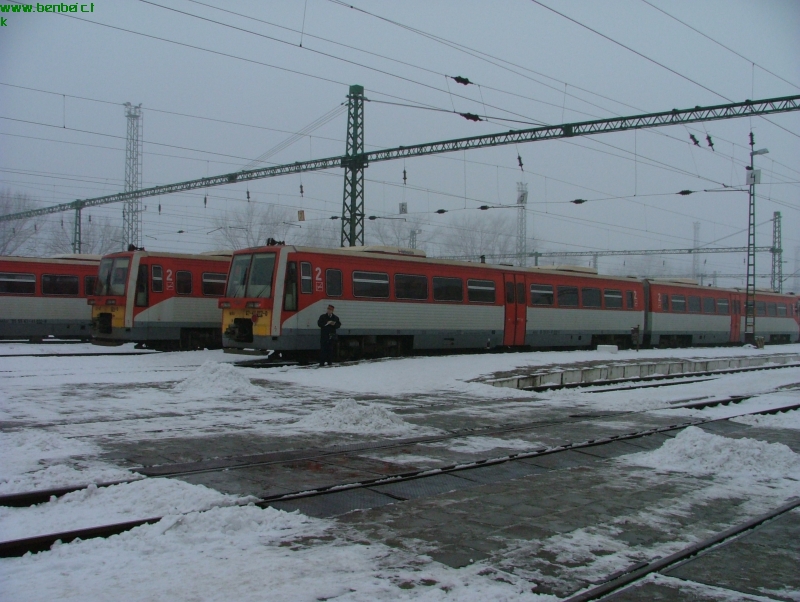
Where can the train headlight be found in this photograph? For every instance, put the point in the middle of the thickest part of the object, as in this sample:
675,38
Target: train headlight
111,301
91,301
224,304
253,304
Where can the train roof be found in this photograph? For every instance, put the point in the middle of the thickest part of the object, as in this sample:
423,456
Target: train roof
81,259
218,255
417,256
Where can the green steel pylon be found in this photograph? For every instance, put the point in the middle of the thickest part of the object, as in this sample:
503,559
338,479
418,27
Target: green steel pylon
354,163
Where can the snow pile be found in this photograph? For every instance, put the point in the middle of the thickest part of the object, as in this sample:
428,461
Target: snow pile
787,420
62,475
349,416
215,378
107,505
699,453
247,554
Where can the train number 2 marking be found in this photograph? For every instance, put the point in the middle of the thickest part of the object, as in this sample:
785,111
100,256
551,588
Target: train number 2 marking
318,280
170,281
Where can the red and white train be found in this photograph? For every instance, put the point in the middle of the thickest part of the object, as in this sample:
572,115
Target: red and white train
396,301
46,297
159,300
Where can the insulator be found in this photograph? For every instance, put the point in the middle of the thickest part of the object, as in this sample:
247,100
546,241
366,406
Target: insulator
440,211
404,175
159,208
90,219
694,139
519,160
461,80
710,142
471,116
248,195
301,190
205,201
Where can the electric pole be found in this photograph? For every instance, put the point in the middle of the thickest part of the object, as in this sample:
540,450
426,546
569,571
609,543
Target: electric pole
522,224
753,178
132,213
777,254
354,163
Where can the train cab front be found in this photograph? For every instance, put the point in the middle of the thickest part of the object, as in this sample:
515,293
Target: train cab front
108,301
247,308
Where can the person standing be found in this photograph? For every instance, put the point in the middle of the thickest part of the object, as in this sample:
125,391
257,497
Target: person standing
328,323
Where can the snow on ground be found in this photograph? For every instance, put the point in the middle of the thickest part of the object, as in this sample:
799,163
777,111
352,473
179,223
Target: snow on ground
763,475
60,347
244,554
58,405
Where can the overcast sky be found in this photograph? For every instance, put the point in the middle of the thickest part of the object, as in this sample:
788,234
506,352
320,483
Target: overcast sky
195,64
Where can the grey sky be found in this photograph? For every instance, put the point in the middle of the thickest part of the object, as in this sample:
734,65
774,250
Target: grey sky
60,54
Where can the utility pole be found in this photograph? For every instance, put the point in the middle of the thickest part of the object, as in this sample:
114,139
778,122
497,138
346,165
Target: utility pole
76,230
132,213
522,224
354,163
797,270
777,254
695,256
753,178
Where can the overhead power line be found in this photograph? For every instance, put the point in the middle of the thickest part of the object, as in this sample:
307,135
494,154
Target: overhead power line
569,130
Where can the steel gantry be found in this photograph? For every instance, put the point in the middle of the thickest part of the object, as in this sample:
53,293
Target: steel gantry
356,160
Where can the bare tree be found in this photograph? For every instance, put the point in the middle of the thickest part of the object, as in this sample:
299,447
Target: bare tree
98,237
16,234
325,233
478,234
253,225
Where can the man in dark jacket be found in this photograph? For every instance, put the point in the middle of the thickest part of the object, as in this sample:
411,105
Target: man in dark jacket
328,323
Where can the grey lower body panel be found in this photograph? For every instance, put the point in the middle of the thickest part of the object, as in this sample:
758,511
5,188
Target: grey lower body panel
170,332
24,329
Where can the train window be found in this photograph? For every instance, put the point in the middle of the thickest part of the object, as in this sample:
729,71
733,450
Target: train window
521,293
761,308
708,305
214,284
568,296
141,286
89,283
333,283
157,285
305,278
448,289
591,297
237,281
612,298
694,304
772,309
17,284
60,285
541,294
183,282
290,287
722,306
630,299
481,291
509,292
259,284
371,284
678,303
408,286
665,302
113,276
781,310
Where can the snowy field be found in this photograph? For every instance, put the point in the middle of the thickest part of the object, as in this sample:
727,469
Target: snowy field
59,413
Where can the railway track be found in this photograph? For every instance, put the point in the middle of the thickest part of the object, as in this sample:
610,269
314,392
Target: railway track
43,542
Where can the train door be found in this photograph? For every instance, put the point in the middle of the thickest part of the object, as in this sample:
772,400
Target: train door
735,320
516,309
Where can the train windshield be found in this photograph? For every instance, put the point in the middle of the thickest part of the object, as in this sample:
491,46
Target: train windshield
251,275
112,276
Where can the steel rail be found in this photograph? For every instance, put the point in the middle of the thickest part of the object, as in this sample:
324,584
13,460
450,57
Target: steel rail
40,543
638,571
748,108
